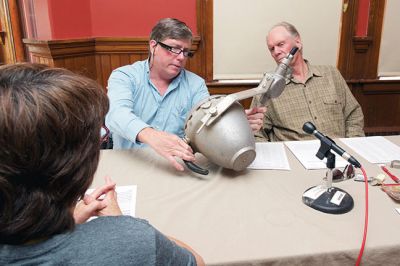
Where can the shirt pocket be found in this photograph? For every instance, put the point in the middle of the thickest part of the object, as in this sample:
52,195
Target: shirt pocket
331,99
332,107
179,113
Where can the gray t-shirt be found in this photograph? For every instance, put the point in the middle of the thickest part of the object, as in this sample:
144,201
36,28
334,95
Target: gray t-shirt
118,240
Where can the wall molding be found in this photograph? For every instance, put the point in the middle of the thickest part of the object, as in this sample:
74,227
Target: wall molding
60,48
362,44
137,45
108,45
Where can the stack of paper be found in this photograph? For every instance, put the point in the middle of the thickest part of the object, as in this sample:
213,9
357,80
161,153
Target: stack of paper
305,151
375,149
270,156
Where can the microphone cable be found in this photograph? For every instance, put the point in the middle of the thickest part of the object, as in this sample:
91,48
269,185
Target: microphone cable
366,219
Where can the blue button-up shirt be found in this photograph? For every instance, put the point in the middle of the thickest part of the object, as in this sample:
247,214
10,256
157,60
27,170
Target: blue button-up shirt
135,103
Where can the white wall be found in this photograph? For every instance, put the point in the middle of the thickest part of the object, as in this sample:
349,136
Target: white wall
389,56
240,28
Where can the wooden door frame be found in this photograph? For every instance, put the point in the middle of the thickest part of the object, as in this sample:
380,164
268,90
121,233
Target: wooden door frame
13,31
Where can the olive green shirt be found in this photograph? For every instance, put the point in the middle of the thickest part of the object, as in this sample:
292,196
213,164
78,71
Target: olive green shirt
324,99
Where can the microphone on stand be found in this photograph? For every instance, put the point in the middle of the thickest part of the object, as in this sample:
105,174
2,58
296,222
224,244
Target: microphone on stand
327,198
279,82
309,128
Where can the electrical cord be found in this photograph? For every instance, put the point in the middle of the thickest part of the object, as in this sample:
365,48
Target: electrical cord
366,219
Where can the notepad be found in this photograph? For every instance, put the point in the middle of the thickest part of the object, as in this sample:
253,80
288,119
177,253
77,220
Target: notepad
126,197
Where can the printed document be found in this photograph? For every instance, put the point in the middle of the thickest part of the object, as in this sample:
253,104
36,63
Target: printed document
126,197
306,150
270,155
374,149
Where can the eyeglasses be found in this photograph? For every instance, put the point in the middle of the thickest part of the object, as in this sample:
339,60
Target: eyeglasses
347,173
104,134
175,50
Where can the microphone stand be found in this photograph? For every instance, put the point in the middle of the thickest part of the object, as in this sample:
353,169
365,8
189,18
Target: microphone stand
326,198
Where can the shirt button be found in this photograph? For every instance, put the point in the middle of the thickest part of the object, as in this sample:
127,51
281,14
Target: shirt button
315,117
309,101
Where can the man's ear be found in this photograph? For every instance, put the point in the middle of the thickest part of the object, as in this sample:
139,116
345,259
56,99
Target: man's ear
152,46
298,42
152,43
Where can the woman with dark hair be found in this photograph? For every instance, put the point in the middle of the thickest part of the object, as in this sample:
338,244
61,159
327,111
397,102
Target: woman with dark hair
50,121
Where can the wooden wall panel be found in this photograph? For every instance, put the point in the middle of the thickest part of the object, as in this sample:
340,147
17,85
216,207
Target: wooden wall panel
380,101
103,68
76,55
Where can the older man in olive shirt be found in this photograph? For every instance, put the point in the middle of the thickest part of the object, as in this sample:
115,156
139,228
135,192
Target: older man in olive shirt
318,94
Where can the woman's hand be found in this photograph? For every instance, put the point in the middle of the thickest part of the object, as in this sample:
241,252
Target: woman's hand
101,202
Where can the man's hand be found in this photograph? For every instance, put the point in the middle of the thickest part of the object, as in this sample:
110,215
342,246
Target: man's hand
167,145
96,205
255,117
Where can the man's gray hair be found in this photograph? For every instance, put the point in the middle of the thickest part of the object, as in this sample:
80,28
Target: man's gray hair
170,28
289,27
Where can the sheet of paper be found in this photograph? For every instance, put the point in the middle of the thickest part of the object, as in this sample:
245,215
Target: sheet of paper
305,151
270,155
126,197
374,149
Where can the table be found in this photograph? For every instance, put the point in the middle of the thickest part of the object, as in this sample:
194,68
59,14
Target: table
257,217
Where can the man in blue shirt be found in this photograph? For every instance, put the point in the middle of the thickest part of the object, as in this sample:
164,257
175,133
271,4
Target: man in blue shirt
150,99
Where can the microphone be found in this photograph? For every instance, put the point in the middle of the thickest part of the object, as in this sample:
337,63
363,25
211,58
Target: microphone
309,128
278,84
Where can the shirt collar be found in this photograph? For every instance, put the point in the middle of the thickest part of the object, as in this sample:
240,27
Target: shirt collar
312,72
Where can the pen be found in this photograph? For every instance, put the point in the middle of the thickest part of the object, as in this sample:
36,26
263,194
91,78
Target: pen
392,176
